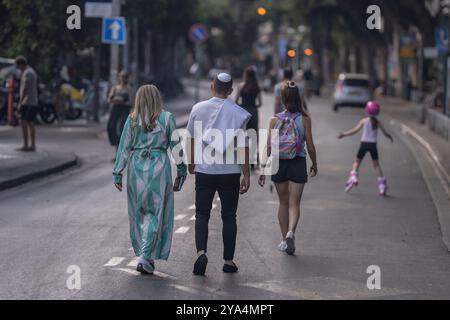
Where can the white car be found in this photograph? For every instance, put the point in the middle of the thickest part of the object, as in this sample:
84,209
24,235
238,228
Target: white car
352,90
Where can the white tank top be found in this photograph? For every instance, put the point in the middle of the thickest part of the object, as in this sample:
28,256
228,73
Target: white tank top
370,135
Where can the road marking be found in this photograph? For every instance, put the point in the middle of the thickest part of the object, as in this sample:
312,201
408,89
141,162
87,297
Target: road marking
182,230
129,271
439,169
180,217
115,261
133,263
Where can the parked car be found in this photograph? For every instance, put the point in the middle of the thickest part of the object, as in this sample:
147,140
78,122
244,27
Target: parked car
352,90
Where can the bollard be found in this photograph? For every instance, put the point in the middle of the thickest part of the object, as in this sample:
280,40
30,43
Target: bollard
10,85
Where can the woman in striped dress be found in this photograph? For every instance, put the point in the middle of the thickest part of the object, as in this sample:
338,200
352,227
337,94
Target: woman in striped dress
144,146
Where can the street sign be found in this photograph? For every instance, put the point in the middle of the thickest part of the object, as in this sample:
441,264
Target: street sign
199,34
441,37
98,9
114,31
430,53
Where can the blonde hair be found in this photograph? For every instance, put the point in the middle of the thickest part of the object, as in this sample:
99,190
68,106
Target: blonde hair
148,107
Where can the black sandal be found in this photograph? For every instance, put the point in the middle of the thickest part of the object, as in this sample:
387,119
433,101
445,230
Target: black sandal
200,265
230,269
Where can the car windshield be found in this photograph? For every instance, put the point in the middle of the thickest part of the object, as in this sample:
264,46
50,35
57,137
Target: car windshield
356,83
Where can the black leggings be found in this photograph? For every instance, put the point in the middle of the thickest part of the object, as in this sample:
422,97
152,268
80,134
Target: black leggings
228,188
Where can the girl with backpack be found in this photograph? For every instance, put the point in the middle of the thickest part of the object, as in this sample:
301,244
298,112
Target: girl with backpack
294,137
370,126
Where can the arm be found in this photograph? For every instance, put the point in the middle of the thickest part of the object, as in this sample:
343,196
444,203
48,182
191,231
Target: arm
190,144
267,152
310,145
123,153
277,105
23,92
352,132
175,140
111,95
244,156
259,100
386,134
238,94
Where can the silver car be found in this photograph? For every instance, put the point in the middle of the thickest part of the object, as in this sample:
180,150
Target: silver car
352,90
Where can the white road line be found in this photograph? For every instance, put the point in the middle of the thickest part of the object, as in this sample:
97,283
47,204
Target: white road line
133,263
180,217
114,261
182,230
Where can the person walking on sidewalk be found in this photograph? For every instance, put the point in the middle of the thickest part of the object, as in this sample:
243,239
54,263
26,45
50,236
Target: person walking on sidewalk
28,104
370,126
249,98
144,146
120,98
218,114
295,135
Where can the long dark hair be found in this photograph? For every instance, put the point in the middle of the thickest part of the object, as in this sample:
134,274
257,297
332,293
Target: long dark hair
374,122
293,100
250,81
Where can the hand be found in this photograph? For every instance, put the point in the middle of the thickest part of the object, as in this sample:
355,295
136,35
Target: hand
192,168
176,185
119,186
262,181
313,171
245,185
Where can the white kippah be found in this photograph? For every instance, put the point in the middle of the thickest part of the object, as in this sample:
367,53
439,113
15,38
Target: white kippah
224,77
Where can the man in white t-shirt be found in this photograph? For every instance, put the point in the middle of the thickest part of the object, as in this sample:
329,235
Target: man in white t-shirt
215,173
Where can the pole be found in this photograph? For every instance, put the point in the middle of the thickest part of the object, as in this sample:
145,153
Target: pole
114,69
198,58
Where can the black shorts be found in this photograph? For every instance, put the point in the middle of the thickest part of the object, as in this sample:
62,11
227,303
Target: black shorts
368,147
294,170
29,113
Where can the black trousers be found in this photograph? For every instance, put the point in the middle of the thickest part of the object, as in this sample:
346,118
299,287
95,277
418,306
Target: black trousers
116,123
206,187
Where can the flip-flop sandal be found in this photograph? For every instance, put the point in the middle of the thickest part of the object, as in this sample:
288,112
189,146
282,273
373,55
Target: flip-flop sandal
200,265
230,268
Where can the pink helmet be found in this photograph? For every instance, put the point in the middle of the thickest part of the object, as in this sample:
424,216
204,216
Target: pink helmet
373,108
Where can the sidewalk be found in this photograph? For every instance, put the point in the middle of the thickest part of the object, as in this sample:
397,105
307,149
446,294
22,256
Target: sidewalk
431,151
17,168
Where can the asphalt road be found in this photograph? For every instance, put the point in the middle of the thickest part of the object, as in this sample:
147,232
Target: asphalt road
78,219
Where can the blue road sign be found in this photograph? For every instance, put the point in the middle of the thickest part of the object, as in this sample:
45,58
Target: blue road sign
199,34
114,31
441,35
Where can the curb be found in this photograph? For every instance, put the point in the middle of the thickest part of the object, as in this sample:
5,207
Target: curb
434,174
15,182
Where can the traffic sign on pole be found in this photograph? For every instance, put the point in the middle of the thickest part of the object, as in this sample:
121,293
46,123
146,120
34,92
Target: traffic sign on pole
199,34
114,31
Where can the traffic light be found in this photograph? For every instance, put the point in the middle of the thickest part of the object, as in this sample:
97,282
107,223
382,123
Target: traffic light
262,11
308,52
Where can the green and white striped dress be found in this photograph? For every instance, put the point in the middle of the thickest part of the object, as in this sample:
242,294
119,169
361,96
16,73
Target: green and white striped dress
149,185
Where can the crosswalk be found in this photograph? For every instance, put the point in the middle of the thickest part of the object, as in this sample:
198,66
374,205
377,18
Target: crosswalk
183,225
